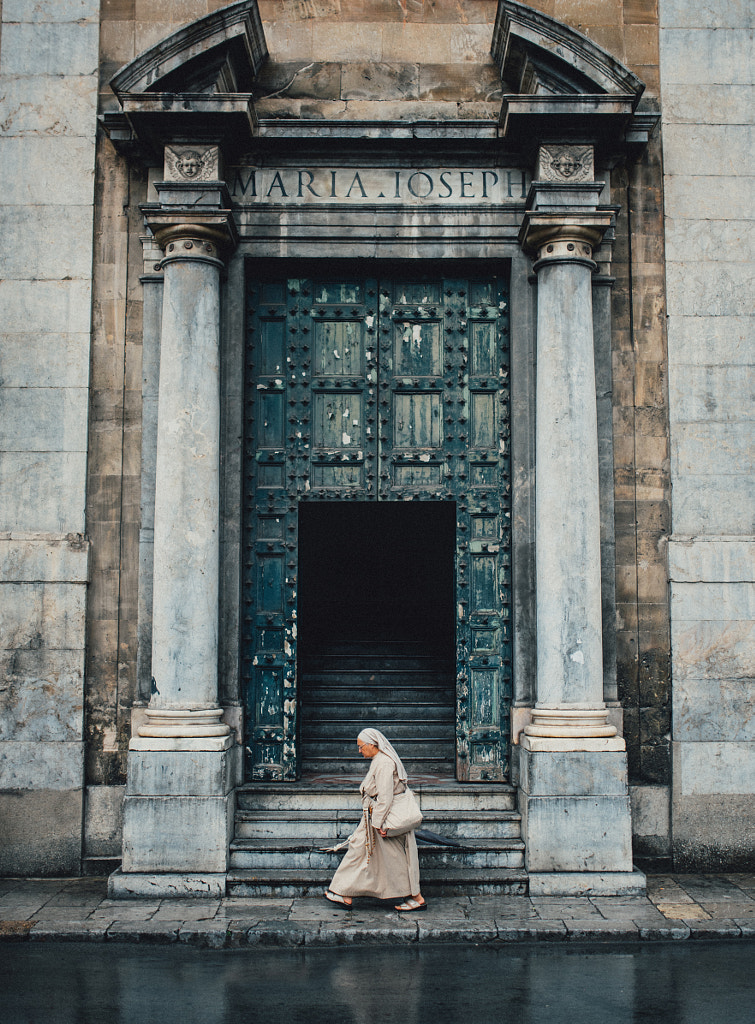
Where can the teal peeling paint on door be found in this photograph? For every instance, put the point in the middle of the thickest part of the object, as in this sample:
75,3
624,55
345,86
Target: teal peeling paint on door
370,390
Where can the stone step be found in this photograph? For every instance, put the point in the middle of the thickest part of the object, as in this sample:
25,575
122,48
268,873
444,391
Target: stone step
261,855
435,882
364,663
408,736
379,675
340,824
422,746
344,795
412,712
349,766
360,692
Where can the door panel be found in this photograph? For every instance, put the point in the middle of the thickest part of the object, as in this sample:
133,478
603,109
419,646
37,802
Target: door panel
388,390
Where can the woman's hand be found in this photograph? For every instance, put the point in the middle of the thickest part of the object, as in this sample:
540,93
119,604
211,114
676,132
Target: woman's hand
383,833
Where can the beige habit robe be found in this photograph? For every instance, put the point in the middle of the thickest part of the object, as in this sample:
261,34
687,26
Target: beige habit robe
392,869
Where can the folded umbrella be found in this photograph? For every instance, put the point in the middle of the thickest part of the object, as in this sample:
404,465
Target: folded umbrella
423,835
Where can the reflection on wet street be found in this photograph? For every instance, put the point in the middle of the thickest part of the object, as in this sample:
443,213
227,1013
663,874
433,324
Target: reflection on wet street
686,982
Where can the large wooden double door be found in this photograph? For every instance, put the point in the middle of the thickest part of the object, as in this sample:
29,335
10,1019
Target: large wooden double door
391,388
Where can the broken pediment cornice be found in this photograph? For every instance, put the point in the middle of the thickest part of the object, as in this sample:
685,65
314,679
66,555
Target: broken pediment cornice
195,84
221,52
558,84
536,54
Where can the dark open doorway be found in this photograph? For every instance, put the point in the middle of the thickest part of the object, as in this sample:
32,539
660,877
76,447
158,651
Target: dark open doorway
376,630
376,571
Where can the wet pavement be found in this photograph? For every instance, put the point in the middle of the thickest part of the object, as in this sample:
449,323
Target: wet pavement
677,907
547,983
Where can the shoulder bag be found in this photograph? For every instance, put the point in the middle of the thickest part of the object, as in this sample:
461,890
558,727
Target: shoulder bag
404,814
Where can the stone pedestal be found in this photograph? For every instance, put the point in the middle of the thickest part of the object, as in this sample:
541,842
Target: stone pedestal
574,795
576,817
178,818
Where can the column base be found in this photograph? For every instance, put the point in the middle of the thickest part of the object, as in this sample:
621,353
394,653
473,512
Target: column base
208,885
576,721
178,810
587,883
163,723
576,815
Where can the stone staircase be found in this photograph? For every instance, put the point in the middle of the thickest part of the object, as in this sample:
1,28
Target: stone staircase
280,829
404,688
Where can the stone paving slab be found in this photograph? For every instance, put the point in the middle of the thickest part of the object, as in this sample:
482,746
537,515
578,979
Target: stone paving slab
730,909
676,908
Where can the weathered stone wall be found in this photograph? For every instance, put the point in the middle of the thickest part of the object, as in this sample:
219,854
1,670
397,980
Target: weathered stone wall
48,95
379,61
707,66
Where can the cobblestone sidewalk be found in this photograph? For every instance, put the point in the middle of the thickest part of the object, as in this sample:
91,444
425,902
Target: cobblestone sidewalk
676,907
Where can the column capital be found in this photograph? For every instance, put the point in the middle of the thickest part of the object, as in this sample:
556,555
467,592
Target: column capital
152,255
192,234
193,220
563,236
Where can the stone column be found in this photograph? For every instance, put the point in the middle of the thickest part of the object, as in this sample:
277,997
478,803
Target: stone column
184,696
573,766
183,764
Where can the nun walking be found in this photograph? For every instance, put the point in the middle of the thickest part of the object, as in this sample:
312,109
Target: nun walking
376,864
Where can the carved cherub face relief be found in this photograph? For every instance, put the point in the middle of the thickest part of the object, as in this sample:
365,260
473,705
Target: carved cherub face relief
566,165
189,164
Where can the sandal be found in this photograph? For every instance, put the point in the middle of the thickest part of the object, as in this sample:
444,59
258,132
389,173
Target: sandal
334,897
411,906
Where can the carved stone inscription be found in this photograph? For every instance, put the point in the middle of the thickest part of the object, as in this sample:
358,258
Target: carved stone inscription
384,185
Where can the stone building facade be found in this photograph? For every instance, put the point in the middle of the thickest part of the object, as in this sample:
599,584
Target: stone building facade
528,221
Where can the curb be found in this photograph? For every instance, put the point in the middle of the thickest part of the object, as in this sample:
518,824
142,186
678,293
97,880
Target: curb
284,934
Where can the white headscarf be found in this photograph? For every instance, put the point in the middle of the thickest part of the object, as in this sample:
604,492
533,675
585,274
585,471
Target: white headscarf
376,738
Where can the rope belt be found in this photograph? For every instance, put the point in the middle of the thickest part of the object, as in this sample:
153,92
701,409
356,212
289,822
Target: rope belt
370,835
